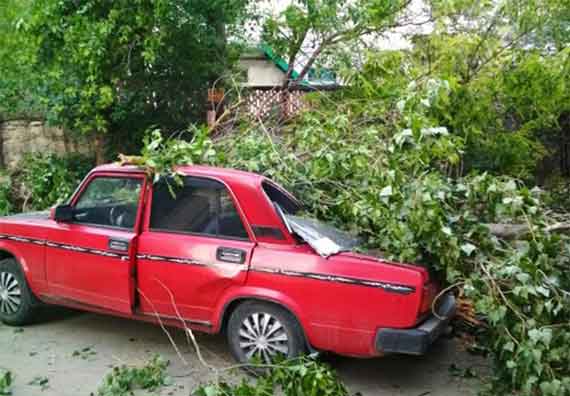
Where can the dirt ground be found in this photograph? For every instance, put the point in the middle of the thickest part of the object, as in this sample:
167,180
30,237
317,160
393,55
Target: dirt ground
74,351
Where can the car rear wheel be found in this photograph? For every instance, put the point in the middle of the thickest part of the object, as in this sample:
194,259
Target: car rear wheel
261,332
17,303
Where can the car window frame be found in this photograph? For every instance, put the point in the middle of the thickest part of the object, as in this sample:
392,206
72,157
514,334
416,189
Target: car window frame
233,198
284,227
90,178
281,190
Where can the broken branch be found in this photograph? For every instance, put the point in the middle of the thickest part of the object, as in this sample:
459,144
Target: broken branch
516,231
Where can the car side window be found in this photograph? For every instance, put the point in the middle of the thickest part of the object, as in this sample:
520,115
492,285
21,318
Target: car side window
109,201
199,206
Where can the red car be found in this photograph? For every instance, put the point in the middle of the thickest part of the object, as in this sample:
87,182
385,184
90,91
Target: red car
225,251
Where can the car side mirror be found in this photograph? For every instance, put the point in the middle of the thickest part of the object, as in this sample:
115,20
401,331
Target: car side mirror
63,213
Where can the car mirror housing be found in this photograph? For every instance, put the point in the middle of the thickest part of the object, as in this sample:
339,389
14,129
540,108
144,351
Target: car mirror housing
63,213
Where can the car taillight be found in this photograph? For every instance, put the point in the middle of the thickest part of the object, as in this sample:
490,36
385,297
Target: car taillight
428,294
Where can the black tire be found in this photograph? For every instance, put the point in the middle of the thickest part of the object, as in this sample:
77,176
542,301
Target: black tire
282,332
17,302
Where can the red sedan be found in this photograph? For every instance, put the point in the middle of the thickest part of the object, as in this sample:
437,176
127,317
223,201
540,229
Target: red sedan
225,251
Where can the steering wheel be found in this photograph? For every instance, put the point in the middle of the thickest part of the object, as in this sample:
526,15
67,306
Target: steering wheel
118,216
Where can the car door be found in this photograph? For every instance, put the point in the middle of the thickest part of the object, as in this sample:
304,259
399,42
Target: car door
91,258
194,247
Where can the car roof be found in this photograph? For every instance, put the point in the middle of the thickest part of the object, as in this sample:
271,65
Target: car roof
226,174
245,186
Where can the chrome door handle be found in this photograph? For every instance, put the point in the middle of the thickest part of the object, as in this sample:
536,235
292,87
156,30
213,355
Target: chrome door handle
230,255
119,245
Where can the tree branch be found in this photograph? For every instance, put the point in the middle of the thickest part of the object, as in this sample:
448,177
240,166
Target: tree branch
357,30
516,231
296,48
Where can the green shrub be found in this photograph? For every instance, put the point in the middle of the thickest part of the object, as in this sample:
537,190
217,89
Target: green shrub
50,179
295,377
5,195
5,382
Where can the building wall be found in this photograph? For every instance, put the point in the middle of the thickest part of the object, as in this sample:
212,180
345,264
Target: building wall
262,73
20,137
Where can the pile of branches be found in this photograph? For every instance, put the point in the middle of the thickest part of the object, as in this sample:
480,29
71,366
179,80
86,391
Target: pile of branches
490,238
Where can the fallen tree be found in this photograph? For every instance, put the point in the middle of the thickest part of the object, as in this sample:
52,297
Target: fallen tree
490,238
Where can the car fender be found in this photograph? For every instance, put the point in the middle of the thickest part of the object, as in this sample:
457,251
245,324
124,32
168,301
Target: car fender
30,263
7,248
262,294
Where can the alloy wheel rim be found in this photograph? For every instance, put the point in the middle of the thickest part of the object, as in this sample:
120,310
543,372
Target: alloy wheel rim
261,335
10,294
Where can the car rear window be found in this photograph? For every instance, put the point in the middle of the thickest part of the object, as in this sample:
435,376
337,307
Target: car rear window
281,198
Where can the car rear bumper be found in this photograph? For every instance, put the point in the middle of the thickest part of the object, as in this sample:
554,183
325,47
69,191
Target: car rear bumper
417,340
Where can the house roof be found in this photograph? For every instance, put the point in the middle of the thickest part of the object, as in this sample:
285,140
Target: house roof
317,79
279,61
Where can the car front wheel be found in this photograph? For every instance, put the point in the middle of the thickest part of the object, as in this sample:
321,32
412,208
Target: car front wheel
261,332
17,303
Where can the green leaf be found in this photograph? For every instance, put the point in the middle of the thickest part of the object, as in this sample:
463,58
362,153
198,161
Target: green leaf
386,192
468,248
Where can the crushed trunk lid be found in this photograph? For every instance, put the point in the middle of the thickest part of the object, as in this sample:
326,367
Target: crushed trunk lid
323,238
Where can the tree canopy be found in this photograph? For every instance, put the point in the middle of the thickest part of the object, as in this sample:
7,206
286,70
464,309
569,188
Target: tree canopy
20,85
122,66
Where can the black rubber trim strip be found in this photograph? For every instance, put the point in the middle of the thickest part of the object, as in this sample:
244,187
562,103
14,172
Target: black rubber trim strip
267,231
176,260
76,303
40,242
389,287
64,246
204,323
186,261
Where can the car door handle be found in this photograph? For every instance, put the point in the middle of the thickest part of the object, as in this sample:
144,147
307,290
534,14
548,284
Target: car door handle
79,216
230,255
119,245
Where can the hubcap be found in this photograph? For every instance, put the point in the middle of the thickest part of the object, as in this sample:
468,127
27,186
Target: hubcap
10,293
263,336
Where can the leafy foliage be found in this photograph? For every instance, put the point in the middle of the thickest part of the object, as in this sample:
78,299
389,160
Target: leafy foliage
324,26
5,382
50,179
395,190
5,195
123,66
123,380
506,64
21,84
161,155
41,382
506,110
295,377
85,353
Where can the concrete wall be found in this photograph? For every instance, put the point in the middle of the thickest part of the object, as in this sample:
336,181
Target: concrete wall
19,137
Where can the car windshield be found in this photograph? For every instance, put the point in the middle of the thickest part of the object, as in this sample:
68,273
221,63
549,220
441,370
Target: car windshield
324,238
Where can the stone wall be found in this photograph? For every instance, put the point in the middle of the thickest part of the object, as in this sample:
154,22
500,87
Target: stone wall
19,137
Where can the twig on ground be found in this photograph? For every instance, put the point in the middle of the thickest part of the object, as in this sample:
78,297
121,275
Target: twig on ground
155,312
